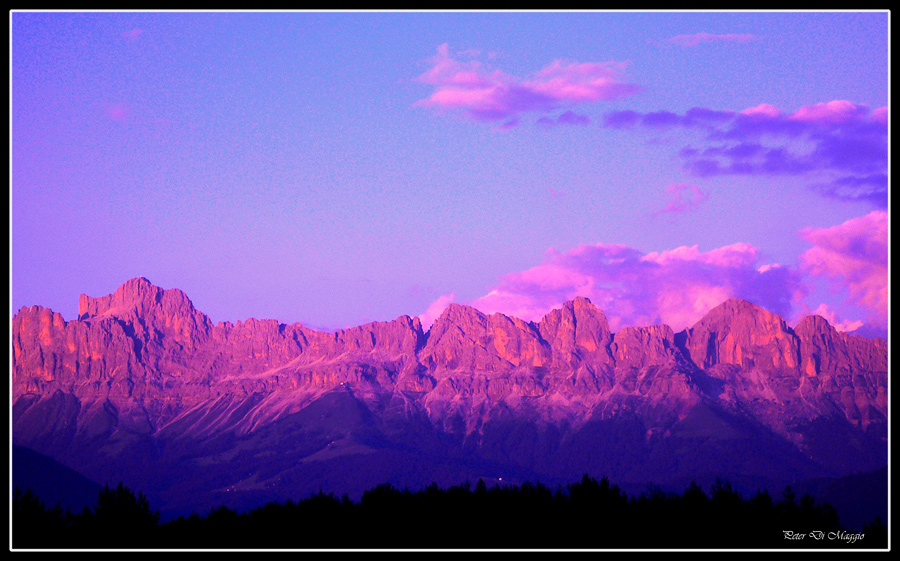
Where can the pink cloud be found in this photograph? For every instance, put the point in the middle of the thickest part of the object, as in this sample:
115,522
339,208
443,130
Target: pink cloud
676,287
763,110
434,310
741,255
880,116
684,197
679,286
854,256
446,70
831,113
702,38
832,317
493,95
580,82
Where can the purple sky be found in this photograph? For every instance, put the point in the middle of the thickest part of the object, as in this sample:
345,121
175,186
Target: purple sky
339,168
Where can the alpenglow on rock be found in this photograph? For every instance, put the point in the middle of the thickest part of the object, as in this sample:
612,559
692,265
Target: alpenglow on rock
143,388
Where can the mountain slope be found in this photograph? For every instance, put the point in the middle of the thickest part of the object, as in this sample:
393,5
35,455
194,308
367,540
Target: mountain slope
51,481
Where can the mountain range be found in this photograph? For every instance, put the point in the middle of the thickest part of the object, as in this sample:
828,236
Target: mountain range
143,388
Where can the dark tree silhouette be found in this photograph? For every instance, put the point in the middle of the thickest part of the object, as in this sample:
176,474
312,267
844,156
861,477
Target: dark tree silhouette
124,518
34,525
587,514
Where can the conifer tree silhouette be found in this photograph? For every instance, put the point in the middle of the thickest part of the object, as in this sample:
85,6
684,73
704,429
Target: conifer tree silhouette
125,519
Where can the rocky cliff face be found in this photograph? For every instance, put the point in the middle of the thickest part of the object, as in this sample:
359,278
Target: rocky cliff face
143,387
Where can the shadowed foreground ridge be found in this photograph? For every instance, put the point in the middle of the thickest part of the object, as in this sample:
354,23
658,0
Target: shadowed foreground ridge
584,515
143,388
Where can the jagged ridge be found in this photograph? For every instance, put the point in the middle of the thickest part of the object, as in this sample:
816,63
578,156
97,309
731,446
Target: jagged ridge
142,368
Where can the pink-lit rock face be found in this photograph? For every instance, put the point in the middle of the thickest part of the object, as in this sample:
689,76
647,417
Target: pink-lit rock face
464,338
141,369
143,342
577,332
165,312
848,369
745,335
637,347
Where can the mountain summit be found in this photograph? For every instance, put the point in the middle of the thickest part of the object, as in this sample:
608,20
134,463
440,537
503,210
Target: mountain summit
143,388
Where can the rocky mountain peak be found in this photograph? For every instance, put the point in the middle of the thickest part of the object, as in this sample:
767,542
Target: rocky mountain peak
737,309
137,296
147,307
814,325
829,352
461,316
741,333
576,331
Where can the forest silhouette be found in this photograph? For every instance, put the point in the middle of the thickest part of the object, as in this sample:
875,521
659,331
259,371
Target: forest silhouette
587,514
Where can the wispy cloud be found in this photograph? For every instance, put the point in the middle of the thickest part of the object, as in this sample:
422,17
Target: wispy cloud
683,197
435,308
854,256
702,38
132,35
566,118
492,95
832,317
118,112
839,146
676,287
872,188
556,194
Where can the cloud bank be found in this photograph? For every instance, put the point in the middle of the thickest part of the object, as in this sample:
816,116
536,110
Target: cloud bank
854,257
679,286
676,287
839,146
491,95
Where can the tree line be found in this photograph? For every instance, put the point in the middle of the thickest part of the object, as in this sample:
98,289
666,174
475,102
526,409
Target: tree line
587,514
